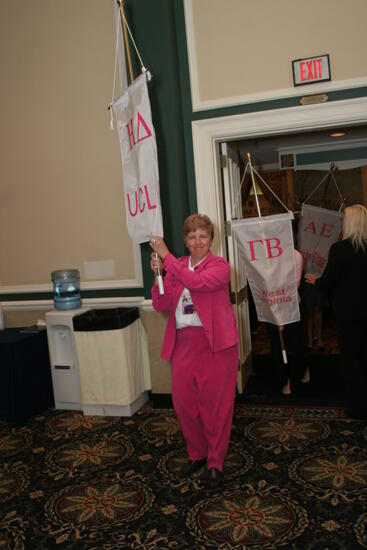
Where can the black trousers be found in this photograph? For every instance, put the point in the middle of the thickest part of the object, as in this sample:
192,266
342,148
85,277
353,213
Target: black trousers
352,338
294,341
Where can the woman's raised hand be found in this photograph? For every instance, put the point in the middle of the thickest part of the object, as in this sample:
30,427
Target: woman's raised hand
159,246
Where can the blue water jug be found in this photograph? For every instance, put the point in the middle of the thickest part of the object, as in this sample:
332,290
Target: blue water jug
66,283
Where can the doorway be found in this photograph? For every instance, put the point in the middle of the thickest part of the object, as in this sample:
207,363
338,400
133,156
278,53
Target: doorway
285,123
322,184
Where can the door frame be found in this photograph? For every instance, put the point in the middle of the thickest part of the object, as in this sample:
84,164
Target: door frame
208,133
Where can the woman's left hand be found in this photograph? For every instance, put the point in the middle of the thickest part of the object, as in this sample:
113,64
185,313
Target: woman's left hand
158,245
311,278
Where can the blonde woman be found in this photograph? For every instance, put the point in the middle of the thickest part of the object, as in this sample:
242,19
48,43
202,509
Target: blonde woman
345,279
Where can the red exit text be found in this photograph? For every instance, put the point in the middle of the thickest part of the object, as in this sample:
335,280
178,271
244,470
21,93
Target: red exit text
311,70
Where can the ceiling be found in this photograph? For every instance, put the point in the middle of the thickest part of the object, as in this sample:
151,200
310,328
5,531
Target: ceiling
264,150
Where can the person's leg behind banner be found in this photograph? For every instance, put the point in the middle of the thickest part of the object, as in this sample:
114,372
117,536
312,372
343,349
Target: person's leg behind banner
281,368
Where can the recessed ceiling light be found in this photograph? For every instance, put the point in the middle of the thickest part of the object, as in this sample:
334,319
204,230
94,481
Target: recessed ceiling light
337,134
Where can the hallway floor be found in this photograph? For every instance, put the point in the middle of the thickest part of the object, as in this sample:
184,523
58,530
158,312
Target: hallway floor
325,386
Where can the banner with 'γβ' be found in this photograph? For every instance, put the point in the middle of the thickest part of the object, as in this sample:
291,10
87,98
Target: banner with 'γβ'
266,247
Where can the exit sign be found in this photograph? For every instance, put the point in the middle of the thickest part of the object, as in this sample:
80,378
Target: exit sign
311,70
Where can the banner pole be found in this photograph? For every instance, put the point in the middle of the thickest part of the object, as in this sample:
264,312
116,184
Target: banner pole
284,351
253,185
126,40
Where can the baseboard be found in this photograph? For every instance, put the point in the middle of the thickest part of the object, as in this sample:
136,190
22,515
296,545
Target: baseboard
116,410
161,400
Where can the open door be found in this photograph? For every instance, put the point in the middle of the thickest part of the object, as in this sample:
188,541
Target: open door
239,286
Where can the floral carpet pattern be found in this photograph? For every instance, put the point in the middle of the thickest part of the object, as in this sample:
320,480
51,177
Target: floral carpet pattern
295,477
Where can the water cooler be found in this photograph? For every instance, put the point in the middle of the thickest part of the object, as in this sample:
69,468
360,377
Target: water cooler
63,358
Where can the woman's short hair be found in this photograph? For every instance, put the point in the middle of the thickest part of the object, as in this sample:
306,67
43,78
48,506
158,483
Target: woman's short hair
355,225
198,221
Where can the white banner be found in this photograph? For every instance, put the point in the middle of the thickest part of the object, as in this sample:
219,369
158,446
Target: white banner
266,246
139,161
318,229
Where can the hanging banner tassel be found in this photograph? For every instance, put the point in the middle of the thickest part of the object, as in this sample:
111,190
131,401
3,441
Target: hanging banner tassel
111,117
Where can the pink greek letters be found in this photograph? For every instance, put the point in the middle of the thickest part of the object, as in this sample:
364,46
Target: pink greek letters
142,131
273,247
325,229
140,202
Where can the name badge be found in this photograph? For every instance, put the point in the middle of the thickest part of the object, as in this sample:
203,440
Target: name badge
187,305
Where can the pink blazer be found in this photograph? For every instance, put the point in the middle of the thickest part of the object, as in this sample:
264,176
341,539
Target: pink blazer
208,286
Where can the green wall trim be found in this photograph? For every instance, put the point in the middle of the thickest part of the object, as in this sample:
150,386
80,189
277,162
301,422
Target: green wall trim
20,296
275,104
103,293
335,155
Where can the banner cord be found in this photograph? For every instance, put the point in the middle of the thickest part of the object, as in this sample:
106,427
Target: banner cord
331,174
114,73
143,68
239,192
264,182
271,191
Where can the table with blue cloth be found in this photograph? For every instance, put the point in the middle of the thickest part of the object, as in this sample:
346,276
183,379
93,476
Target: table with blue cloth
25,374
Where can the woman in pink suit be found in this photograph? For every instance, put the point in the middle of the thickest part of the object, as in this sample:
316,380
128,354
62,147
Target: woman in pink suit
201,343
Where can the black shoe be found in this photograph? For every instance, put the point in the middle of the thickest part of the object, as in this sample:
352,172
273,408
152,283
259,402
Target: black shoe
192,466
214,478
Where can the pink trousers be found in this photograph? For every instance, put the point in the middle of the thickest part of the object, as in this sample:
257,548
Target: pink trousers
203,393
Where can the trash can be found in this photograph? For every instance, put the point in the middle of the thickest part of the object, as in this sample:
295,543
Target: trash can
112,349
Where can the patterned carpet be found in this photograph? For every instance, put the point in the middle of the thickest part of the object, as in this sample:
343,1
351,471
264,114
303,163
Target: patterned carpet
295,478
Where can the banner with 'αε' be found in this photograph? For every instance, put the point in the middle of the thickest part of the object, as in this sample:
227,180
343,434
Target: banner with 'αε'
318,229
